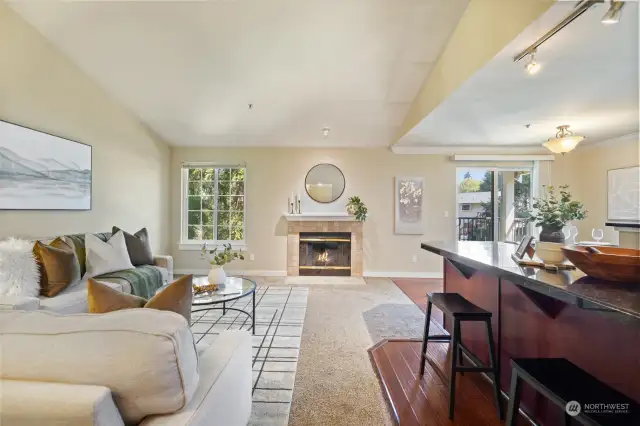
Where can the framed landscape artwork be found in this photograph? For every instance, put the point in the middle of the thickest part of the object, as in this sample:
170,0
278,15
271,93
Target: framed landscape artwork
623,194
39,171
409,218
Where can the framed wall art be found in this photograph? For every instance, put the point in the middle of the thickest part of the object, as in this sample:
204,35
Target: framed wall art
39,171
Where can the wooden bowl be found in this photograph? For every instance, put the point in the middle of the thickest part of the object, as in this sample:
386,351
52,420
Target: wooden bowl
613,264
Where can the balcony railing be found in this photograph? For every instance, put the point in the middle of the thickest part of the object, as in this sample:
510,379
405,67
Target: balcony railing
481,229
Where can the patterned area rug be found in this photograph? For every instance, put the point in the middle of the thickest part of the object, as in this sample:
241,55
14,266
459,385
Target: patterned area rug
280,313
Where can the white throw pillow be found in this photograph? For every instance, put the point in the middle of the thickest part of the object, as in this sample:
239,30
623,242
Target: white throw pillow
19,272
103,258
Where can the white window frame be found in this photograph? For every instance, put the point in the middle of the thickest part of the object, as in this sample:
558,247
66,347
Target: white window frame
187,244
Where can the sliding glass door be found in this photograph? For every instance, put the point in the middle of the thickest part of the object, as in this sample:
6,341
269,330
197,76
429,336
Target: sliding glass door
492,203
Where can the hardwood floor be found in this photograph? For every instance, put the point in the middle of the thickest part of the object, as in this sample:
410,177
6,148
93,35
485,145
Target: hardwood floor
424,401
416,401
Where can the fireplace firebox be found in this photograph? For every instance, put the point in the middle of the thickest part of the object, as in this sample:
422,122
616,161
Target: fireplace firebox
325,253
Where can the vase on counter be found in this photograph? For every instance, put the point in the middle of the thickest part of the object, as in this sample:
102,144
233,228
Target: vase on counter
552,234
217,275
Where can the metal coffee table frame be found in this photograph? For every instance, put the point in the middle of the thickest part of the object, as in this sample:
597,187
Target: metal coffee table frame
224,308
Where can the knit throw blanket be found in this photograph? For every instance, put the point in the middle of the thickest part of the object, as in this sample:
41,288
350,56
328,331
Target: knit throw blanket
145,280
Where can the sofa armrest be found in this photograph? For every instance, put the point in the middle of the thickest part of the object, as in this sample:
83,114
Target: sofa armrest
165,261
42,403
224,389
19,303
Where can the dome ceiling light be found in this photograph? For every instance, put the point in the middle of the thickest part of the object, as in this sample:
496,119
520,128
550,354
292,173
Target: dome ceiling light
564,141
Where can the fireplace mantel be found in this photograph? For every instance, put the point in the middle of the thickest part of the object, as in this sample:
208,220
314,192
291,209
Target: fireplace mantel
320,217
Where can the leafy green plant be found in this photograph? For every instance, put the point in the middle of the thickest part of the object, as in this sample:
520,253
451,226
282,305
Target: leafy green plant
223,257
356,207
551,211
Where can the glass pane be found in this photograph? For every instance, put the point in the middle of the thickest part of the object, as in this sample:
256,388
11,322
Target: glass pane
474,212
207,232
237,188
224,174
223,219
195,174
195,232
237,234
223,203
207,203
224,187
207,188
514,199
237,203
194,203
194,218
223,233
195,188
207,218
237,220
237,174
208,174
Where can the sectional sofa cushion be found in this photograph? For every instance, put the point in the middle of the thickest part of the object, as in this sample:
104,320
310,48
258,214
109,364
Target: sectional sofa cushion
176,297
104,257
138,246
59,266
147,358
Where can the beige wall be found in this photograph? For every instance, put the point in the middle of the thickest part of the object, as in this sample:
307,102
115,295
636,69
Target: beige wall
585,170
41,89
273,174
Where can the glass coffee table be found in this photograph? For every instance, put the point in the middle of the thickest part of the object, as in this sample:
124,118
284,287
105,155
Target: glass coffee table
234,288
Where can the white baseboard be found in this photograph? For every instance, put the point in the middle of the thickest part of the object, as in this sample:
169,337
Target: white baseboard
265,273
396,274
254,273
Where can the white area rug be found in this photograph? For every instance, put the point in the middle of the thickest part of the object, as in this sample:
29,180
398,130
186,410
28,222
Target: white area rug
280,314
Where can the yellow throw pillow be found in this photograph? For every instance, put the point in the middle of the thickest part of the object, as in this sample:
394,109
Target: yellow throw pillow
59,266
176,297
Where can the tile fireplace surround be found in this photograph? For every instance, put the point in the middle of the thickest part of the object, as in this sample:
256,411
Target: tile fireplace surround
319,224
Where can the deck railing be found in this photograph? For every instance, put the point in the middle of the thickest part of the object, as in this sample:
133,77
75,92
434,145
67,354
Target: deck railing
481,229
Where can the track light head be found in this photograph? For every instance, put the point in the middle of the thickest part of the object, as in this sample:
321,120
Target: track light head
532,66
613,14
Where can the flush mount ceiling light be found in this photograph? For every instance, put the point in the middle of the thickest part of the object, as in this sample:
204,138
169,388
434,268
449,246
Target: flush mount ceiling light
564,141
613,14
325,132
532,66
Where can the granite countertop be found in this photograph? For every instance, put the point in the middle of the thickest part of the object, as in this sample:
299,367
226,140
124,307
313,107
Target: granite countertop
570,286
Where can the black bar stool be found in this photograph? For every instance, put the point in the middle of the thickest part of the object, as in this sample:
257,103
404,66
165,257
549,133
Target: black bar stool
460,309
571,388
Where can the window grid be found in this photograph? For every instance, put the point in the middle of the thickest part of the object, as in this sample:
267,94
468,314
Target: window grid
217,213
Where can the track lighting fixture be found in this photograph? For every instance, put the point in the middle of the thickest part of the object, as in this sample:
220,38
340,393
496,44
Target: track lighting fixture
532,66
613,14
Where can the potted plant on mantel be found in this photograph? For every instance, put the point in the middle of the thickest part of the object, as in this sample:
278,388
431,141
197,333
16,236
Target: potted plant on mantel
552,214
217,260
356,207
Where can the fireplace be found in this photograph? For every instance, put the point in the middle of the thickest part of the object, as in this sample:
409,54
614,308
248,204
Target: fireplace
325,253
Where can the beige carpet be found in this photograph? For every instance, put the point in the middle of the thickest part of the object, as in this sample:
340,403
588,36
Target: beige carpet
335,383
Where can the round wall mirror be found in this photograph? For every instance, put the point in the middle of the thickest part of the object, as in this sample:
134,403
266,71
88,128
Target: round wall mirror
324,183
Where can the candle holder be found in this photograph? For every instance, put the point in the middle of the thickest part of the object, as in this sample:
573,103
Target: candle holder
299,211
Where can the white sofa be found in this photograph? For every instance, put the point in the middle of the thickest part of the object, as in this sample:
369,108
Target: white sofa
73,299
131,367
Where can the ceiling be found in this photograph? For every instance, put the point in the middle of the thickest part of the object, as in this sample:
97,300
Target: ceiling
189,70
588,80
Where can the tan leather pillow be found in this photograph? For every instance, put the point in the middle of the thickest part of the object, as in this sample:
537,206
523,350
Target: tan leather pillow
59,266
176,297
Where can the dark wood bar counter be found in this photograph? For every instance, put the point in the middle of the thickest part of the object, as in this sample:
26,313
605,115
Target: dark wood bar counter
537,314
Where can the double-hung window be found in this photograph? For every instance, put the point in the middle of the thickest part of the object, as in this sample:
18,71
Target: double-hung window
213,204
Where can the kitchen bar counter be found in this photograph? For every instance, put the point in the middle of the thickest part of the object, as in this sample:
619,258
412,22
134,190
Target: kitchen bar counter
572,287
593,323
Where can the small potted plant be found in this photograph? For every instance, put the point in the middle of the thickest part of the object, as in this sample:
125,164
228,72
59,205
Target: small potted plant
552,214
218,259
356,207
